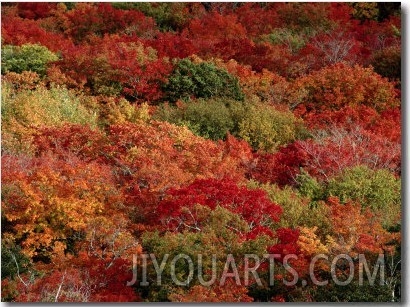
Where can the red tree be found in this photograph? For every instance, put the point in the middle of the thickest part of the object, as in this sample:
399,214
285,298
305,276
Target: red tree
177,210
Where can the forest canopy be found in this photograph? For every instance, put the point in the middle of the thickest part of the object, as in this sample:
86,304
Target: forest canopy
158,136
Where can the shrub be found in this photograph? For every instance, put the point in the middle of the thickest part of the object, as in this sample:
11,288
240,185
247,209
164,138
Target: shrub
284,36
47,107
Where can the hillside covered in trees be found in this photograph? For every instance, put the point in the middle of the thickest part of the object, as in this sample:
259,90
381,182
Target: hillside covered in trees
223,130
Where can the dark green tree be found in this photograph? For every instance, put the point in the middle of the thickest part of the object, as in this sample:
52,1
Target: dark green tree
203,80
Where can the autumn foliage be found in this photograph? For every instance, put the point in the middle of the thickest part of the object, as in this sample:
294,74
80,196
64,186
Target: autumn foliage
223,129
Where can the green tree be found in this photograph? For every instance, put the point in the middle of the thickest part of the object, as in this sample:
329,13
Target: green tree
298,209
261,125
219,236
308,186
29,57
209,118
203,80
377,189
265,128
13,262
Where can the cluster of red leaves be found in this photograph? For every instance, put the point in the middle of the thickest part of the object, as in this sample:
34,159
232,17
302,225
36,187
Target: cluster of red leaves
328,155
17,31
254,206
287,243
87,279
227,32
88,19
385,123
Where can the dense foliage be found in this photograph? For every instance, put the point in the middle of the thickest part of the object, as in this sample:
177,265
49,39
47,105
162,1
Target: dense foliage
227,130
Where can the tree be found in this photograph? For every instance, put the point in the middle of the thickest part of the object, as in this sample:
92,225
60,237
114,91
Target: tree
328,154
280,167
27,106
32,10
376,189
18,31
299,210
387,62
211,118
172,45
338,86
115,65
357,232
256,19
331,153
88,19
263,126
217,241
153,156
80,140
211,29
159,155
177,211
48,201
384,124
266,86
332,48
365,11
202,80
266,128
168,17
305,17
87,279
27,57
